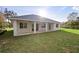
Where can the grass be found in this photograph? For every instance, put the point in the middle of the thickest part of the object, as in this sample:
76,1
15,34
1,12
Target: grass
74,31
64,40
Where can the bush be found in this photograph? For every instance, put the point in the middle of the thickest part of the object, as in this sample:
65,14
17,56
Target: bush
2,31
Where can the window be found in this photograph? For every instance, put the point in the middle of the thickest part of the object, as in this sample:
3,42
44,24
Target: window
57,25
43,26
25,25
21,25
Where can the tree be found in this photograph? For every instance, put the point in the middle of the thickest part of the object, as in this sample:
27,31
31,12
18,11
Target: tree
72,16
1,20
77,18
8,14
73,21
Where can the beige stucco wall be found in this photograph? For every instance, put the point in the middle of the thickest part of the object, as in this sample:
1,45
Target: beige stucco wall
24,30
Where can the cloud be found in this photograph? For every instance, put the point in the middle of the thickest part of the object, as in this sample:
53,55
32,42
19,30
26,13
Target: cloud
63,8
76,8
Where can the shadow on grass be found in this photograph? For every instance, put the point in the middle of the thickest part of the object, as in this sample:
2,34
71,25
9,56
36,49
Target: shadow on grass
7,35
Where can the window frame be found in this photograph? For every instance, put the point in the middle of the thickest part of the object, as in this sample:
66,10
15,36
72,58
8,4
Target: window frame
22,25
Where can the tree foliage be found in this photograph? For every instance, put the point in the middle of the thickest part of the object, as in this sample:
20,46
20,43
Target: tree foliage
8,14
1,20
4,16
72,16
73,21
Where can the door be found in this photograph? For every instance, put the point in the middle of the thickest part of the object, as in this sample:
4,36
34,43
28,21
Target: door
37,27
32,27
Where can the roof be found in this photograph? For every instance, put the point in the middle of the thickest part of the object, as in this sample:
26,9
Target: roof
33,17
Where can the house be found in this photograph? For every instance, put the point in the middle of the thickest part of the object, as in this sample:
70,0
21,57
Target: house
30,24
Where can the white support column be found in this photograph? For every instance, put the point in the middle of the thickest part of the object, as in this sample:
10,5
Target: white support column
34,27
46,27
15,27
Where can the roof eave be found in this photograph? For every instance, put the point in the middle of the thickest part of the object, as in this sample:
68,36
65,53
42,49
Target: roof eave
33,20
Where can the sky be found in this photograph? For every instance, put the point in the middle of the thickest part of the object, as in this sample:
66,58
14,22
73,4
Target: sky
58,13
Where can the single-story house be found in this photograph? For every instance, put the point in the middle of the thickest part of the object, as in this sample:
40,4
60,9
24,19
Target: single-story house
30,24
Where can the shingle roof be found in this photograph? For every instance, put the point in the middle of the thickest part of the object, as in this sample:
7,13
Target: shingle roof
33,17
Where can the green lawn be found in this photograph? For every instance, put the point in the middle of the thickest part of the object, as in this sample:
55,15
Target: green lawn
75,31
65,40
